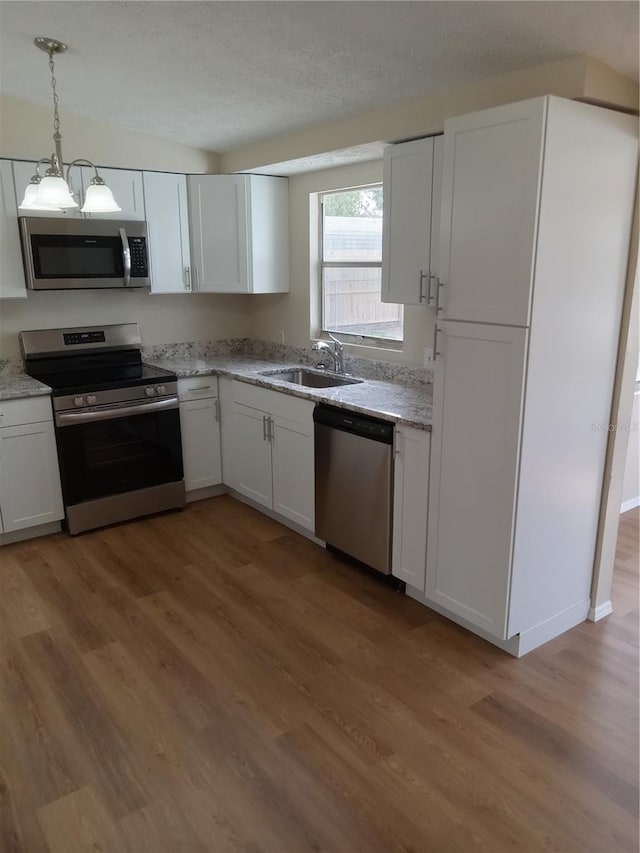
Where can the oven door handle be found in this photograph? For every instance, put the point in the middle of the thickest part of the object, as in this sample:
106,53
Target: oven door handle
69,418
126,256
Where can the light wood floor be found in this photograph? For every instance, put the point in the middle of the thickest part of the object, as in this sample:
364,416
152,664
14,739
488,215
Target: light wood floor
210,681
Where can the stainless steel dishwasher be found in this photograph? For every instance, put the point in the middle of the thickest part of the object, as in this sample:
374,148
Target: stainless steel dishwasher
354,482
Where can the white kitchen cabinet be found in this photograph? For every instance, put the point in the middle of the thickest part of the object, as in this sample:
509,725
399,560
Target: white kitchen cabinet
239,227
410,505
411,220
12,283
167,212
127,188
490,190
200,430
272,452
30,491
253,464
537,211
478,391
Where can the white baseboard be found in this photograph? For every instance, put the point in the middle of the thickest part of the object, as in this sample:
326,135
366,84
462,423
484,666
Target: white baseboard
553,627
632,503
599,612
207,492
30,532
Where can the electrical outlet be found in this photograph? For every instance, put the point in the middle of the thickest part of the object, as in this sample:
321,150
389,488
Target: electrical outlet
281,336
428,356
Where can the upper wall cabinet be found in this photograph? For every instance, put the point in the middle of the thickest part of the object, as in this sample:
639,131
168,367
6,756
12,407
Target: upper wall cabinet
166,205
239,228
12,283
490,211
126,186
412,181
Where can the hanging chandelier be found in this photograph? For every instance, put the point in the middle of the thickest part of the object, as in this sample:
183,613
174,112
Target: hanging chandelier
52,191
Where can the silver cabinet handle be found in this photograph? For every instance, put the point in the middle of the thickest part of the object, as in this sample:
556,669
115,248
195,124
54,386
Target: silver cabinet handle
432,277
216,410
423,297
199,388
187,278
435,341
264,428
126,256
439,284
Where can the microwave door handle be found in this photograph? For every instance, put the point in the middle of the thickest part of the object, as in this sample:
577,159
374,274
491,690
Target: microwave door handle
126,256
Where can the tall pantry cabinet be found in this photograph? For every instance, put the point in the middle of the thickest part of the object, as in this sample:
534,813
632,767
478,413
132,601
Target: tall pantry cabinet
537,202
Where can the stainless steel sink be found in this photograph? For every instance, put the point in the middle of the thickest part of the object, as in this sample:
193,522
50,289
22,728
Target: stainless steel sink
310,379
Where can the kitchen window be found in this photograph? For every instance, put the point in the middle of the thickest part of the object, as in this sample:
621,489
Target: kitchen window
350,256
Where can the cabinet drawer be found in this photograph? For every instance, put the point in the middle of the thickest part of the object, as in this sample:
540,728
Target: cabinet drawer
29,410
197,387
277,403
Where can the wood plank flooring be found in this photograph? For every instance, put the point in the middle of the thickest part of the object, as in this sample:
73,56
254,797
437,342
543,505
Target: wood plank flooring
210,681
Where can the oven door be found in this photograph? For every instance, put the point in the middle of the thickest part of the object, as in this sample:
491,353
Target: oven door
117,450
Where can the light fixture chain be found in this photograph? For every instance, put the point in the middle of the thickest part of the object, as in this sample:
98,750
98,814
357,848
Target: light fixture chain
56,117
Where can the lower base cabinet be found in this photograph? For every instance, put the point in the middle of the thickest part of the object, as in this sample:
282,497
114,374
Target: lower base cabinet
269,451
200,430
411,505
30,493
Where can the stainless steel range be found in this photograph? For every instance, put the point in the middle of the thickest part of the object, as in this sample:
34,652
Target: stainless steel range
117,423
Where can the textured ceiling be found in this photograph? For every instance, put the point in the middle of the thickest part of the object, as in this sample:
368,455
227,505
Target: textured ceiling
218,74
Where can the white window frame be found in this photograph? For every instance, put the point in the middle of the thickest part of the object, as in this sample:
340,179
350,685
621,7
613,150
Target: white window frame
346,337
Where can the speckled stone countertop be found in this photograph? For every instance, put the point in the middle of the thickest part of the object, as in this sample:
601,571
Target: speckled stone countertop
14,386
392,401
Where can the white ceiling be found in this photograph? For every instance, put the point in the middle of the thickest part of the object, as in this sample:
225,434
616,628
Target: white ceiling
219,74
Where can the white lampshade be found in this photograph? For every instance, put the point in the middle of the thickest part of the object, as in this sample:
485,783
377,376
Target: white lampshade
29,201
99,199
53,192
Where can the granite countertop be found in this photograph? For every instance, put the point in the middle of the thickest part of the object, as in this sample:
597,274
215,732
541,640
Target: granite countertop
17,385
404,404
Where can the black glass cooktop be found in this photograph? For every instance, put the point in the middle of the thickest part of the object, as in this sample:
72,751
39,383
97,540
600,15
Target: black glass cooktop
95,372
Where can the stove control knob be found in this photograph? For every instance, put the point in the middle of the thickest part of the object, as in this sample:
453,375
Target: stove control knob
161,389
78,401
92,399
149,390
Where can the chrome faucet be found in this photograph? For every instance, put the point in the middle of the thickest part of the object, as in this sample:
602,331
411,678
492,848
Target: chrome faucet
336,352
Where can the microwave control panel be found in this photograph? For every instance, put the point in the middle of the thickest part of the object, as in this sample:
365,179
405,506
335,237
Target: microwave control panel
138,249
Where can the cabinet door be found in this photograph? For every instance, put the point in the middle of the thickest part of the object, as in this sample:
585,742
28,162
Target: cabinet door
252,455
410,505
218,224
406,235
12,284
200,443
478,393
294,470
23,170
268,218
490,191
165,198
29,477
127,189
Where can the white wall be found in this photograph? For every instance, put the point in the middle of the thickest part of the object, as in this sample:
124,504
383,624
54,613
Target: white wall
26,128
631,485
162,319
290,312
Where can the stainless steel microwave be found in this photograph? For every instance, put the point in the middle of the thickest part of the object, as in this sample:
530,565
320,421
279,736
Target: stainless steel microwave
80,254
